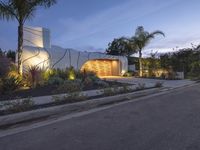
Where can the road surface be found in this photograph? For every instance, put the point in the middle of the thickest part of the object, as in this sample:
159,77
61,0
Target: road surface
167,122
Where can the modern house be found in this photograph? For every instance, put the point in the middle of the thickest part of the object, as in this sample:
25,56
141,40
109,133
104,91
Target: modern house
38,51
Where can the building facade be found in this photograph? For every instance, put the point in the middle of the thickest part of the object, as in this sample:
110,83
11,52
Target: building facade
38,51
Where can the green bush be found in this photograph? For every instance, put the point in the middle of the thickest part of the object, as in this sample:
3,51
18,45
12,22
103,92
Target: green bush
109,92
70,86
158,84
20,105
4,65
1,86
101,83
33,77
71,73
55,81
69,98
10,84
140,86
128,74
88,82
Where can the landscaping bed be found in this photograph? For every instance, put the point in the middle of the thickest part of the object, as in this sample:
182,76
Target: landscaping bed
49,90
28,104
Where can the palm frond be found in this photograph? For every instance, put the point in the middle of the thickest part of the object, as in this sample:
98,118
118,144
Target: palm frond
157,32
44,3
6,11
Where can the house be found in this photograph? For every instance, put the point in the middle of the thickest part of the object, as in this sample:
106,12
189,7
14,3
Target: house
37,50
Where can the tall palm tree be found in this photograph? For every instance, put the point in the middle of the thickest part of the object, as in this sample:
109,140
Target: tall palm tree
21,10
141,39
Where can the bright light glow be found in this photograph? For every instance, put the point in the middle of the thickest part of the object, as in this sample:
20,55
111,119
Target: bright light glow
32,58
71,76
102,67
123,72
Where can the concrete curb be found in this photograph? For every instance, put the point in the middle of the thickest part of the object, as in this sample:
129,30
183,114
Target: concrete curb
69,108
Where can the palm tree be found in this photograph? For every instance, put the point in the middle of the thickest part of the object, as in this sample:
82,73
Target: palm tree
121,46
141,39
21,10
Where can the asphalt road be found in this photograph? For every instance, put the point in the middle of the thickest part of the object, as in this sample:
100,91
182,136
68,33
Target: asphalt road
168,122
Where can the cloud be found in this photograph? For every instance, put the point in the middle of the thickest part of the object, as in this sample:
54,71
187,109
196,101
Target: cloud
111,22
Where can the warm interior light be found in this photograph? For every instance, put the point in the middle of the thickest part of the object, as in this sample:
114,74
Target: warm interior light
102,67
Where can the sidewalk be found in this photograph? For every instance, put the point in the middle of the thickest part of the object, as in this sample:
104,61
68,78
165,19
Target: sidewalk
150,82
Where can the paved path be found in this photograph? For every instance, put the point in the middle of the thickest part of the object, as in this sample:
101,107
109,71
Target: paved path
168,122
151,82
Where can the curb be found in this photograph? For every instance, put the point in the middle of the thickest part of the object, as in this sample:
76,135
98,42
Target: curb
69,108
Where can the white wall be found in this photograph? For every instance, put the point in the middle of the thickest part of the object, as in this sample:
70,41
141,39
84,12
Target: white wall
39,51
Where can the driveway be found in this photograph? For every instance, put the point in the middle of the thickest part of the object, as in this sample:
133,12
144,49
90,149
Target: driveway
167,122
150,82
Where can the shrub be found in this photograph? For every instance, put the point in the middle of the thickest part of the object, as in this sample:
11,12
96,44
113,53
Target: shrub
33,77
158,84
71,74
70,86
128,74
91,75
11,83
13,71
69,98
11,55
1,86
163,76
20,105
4,65
55,81
56,73
125,89
88,82
101,83
80,75
109,92
171,76
34,72
140,86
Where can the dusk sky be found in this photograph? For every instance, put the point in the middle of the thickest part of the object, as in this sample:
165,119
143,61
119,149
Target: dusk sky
91,24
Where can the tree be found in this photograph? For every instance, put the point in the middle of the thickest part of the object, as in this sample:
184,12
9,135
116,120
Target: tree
11,54
21,10
121,46
141,39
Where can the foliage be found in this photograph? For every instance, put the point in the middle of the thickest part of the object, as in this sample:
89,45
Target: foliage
159,84
69,98
71,74
128,74
55,81
88,82
1,86
101,83
121,46
21,10
140,86
109,91
11,55
195,69
19,105
70,86
183,60
10,84
33,77
2,53
141,39
125,89
4,65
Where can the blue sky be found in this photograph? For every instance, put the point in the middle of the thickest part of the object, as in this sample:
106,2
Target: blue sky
91,24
